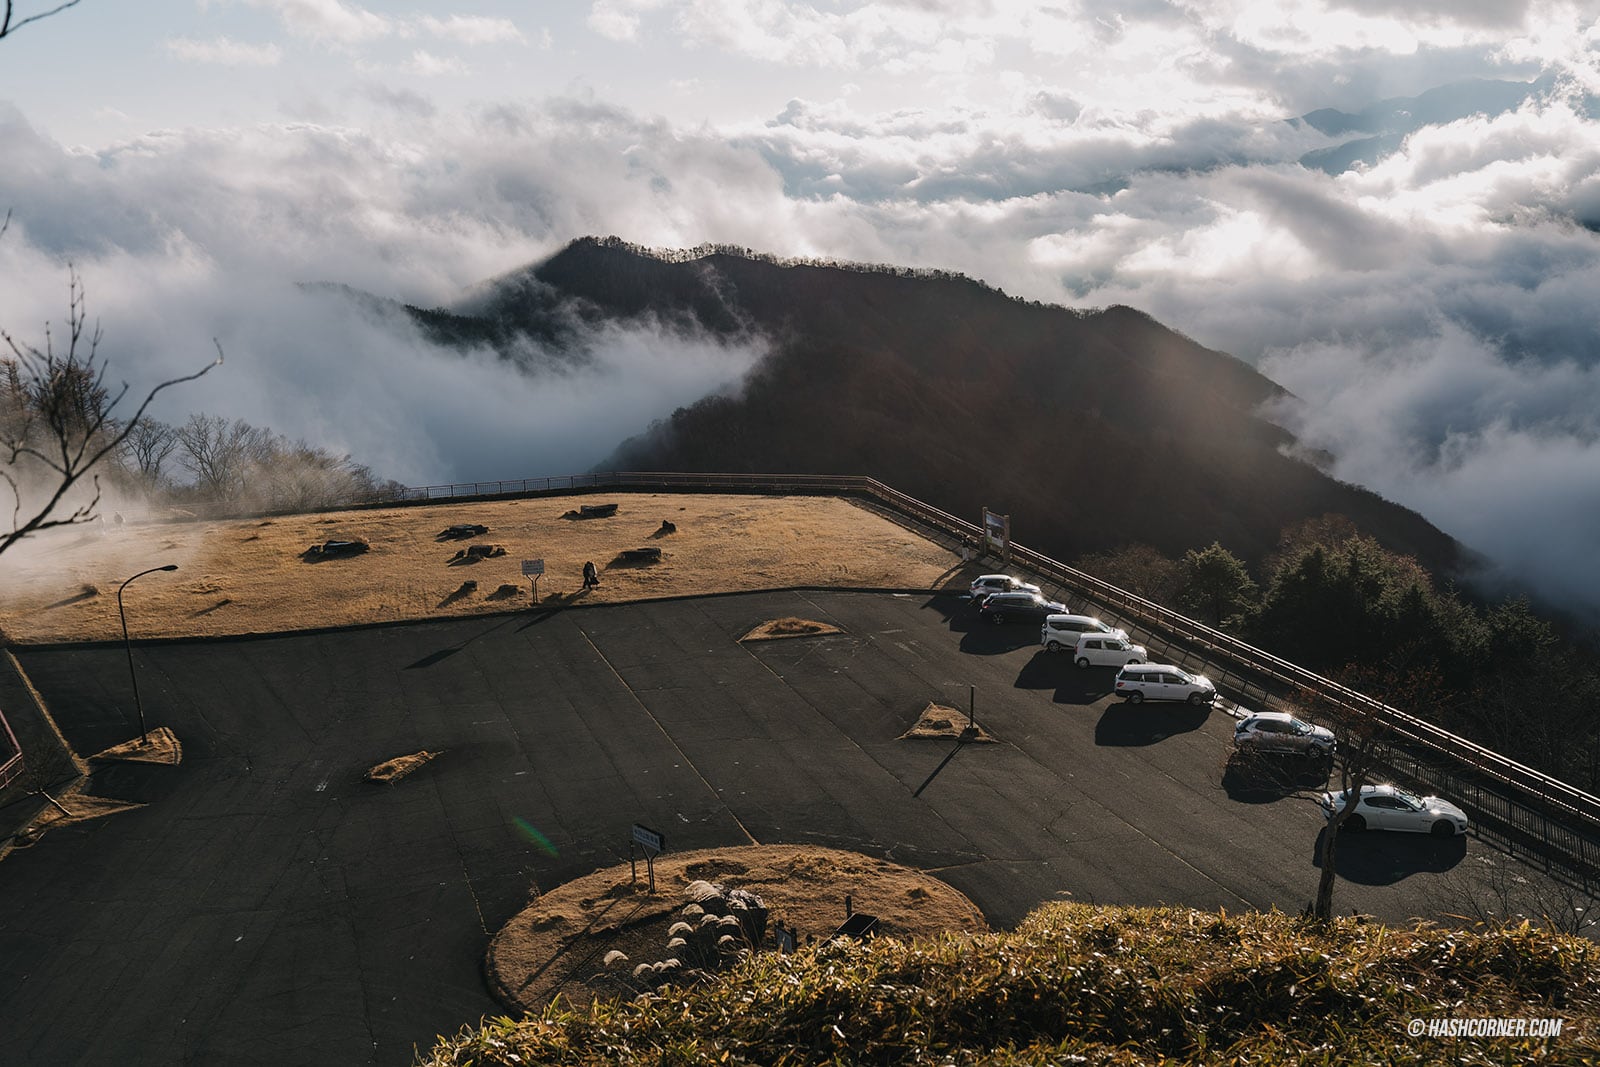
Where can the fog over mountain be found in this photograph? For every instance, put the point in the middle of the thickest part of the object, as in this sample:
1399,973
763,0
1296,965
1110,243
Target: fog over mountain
1391,209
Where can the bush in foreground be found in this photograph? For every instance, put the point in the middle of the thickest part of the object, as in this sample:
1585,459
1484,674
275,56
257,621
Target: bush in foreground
1079,984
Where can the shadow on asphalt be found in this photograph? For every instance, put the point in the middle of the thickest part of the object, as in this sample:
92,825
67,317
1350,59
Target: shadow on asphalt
951,606
1055,670
1384,857
1125,724
445,653
132,781
1262,777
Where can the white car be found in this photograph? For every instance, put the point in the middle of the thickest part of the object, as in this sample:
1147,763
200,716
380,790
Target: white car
1107,650
985,584
1276,731
1388,807
1063,631
1163,681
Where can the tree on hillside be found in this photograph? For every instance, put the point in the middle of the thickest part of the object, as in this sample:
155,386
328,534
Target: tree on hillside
58,421
1216,585
10,24
1139,569
150,443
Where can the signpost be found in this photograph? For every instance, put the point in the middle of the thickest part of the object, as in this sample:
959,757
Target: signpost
532,568
653,843
997,534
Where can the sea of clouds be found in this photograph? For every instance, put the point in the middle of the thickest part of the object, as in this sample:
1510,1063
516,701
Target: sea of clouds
1433,312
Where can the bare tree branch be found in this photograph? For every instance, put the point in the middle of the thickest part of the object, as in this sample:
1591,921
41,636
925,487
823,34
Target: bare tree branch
8,27
61,397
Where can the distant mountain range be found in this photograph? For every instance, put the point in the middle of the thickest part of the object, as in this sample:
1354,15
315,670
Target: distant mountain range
1092,429
1380,129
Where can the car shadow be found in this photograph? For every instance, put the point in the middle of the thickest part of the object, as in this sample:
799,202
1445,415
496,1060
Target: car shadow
1125,724
1261,778
988,640
1384,857
1055,670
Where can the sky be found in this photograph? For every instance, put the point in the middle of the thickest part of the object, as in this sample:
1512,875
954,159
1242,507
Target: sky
1430,305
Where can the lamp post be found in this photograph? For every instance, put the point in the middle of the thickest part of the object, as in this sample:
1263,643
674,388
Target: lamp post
144,735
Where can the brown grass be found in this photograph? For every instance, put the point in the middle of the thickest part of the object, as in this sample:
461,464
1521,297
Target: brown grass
163,747
558,943
937,720
247,576
81,806
790,626
392,770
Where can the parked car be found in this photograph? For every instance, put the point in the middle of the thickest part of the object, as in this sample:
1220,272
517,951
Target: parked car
1107,650
1276,731
1163,681
1063,631
1388,807
985,584
1019,607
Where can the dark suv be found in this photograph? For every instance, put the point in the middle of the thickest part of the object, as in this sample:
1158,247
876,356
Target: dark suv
1019,607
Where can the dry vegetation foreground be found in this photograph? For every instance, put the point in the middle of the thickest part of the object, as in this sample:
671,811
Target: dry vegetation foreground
255,575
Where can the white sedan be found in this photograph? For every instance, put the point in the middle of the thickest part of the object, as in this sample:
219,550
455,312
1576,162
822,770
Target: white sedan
1388,807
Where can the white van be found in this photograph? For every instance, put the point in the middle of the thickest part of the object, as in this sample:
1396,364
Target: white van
1107,650
1063,631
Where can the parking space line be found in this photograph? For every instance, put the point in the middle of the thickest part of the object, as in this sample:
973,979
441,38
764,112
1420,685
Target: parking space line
670,739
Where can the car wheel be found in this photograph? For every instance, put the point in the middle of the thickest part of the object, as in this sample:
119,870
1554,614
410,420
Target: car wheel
1054,646
997,618
1136,697
1196,699
1444,828
1083,661
1355,824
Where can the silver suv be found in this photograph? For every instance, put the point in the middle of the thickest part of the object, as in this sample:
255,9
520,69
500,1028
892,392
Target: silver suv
1276,731
1063,631
985,584
1162,681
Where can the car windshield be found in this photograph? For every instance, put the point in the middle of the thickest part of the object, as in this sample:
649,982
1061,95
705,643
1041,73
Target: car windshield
1299,727
1409,798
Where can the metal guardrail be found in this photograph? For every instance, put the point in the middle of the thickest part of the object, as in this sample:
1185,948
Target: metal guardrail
1564,818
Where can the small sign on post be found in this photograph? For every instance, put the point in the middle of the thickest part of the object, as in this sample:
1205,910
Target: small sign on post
653,843
532,568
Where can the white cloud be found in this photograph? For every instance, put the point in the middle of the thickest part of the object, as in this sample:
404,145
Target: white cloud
471,29
425,64
328,20
224,52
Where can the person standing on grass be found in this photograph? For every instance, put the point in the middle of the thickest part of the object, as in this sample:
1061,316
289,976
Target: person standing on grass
591,577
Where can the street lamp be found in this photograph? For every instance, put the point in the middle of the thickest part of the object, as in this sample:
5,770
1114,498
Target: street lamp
144,735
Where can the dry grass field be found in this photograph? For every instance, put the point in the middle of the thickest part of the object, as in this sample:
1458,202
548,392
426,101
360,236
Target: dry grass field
254,575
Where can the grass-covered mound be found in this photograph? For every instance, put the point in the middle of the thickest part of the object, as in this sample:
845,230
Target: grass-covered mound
1079,984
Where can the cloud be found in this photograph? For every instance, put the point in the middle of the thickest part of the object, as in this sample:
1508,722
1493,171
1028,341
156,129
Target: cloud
1434,304
471,29
425,64
328,20
224,52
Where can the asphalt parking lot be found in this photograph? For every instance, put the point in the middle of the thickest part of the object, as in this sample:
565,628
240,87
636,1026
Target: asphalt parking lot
270,906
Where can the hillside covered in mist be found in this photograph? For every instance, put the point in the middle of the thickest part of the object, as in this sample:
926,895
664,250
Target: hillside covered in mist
1092,429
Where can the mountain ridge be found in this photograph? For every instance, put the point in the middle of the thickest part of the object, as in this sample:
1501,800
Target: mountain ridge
1093,428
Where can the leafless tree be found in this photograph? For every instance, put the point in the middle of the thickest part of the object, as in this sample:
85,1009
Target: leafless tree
57,422
1494,891
1364,734
9,24
220,454
150,443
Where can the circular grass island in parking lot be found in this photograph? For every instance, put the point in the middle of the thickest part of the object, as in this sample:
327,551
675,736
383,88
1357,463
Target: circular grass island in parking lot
565,941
